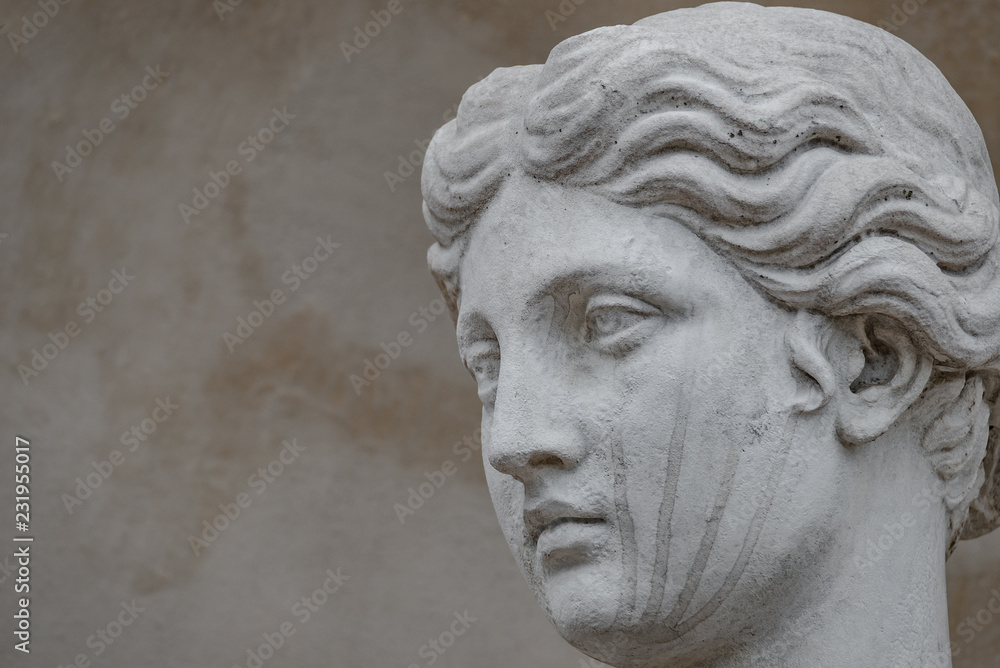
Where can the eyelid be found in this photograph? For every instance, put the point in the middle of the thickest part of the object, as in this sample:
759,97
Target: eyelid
625,302
633,319
475,337
477,351
482,361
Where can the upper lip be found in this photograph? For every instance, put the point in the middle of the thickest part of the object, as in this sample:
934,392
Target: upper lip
545,514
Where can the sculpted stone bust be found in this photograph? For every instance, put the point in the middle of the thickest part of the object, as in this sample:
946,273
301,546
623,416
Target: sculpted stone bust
728,281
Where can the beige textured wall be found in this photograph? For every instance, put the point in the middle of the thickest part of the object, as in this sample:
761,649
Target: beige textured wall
162,335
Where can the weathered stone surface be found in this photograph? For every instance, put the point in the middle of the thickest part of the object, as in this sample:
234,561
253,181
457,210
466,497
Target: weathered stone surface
162,336
728,280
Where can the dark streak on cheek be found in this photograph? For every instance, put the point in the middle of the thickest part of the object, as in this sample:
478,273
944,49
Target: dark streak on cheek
626,536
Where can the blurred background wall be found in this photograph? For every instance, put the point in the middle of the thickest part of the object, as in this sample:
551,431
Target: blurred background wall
199,418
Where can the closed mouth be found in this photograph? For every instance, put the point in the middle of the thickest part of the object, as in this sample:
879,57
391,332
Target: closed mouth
569,541
563,520
557,516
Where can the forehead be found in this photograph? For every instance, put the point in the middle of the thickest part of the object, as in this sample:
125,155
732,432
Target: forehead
537,237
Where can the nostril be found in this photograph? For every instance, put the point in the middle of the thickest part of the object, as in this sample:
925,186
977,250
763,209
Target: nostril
521,465
547,459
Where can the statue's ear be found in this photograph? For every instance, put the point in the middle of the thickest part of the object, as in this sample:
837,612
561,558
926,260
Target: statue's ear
867,368
807,339
879,373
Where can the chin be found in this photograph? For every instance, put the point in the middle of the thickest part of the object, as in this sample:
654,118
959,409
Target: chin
627,646
583,602
588,609
630,647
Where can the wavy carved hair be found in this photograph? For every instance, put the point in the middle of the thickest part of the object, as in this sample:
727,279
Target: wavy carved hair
828,160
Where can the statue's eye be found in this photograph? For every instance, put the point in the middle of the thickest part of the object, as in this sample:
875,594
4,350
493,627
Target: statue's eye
619,323
483,362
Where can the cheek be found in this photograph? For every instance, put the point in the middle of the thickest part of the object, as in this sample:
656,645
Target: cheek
703,440
814,495
507,495
649,428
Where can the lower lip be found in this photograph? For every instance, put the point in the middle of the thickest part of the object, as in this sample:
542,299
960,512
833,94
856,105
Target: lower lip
571,542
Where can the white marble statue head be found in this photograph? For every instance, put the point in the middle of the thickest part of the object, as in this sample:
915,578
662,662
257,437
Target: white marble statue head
728,280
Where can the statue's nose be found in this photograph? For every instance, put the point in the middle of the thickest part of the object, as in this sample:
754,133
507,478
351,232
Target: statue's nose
534,424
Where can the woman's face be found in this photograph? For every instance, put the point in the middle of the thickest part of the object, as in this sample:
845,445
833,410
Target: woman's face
637,435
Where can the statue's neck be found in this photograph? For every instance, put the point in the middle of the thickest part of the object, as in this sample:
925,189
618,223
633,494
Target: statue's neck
886,605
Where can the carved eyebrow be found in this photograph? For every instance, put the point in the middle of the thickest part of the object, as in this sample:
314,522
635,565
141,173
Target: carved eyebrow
473,326
641,283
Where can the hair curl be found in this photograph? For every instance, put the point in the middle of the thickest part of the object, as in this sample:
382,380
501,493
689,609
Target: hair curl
828,160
